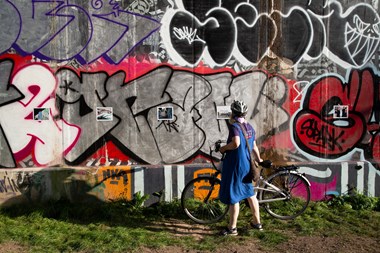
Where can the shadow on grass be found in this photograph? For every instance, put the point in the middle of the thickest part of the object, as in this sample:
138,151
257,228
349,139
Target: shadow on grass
117,213
78,204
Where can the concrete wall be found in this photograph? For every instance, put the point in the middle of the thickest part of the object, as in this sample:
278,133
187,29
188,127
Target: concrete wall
82,83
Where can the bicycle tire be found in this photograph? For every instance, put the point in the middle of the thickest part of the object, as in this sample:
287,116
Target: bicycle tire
200,200
296,190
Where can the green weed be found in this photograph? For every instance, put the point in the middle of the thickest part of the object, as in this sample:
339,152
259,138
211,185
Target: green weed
126,226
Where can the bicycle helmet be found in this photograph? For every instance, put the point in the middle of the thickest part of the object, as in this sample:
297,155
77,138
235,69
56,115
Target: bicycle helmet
239,108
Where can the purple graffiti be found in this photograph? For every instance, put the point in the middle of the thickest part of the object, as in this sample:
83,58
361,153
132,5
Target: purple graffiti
58,30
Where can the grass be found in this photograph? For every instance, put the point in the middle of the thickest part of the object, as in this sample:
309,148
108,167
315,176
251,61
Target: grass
123,226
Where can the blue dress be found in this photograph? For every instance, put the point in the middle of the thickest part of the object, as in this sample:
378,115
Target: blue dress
236,167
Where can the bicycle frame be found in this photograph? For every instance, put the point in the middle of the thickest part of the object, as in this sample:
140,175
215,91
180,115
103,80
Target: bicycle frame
263,182
275,188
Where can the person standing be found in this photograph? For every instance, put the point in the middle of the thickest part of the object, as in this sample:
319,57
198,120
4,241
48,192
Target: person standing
236,166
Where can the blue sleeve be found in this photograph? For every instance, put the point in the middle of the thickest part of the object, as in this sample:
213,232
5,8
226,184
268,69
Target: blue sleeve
235,130
252,132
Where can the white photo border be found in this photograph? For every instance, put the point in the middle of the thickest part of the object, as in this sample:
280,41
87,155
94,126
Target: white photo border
104,114
165,109
223,112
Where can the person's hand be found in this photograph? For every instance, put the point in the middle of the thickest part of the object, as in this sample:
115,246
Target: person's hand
222,149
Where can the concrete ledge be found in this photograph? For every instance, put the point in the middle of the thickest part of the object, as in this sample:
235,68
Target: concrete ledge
86,184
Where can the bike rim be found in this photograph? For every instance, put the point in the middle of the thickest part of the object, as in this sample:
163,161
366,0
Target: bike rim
297,194
200,201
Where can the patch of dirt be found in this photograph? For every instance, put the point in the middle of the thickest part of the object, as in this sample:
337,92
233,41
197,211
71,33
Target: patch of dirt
305,244
11,247
179,228
346,244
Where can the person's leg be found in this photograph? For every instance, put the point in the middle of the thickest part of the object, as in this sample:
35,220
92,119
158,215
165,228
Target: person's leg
234,214
254,205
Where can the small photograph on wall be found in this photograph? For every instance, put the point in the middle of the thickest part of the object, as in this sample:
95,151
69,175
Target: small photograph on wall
340,111
104,114
223,112
165,113
41,113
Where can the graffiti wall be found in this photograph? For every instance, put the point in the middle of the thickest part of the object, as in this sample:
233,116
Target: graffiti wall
118,85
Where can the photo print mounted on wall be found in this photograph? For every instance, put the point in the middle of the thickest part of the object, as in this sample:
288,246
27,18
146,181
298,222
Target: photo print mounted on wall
165,113
41,113
340,111
104,114
223,112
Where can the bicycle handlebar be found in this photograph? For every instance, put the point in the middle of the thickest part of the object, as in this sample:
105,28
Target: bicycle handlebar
218,144
266,164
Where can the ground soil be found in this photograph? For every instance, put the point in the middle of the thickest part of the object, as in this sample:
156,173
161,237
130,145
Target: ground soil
304,244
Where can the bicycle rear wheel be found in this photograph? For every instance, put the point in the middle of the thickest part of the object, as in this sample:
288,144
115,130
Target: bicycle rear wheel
291,197
200,200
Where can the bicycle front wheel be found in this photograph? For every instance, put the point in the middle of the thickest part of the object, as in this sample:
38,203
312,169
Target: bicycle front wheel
200,200
286,196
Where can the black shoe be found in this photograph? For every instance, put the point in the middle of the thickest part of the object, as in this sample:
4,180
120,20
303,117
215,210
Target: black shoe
257,226
227,231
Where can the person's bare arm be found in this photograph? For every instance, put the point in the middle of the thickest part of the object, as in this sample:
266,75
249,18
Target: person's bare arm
234,144
256,152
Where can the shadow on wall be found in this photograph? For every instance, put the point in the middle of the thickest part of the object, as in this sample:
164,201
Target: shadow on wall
71,195
105,184
151,185
53,184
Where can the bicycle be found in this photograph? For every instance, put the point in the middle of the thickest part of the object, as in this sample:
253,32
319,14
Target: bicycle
284,194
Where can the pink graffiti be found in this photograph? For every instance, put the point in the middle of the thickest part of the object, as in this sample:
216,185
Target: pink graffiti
44,139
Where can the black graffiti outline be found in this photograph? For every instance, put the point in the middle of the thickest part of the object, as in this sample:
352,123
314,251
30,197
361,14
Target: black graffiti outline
314,18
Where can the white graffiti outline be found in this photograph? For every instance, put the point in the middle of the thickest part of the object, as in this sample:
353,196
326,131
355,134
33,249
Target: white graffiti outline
356,36
236,52
316,173
301,92
336,10
286,15
187,33
165,34
331,55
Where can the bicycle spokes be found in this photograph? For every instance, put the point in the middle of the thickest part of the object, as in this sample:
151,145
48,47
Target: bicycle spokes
200,200
286,195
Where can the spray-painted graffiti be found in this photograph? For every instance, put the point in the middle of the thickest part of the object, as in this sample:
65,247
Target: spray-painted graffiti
111,183
122,182
136,129
104,183
336,179
13,94
9,185
217,31
358,39
318,133
21,185
25,135
42,28
58,55
190,34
